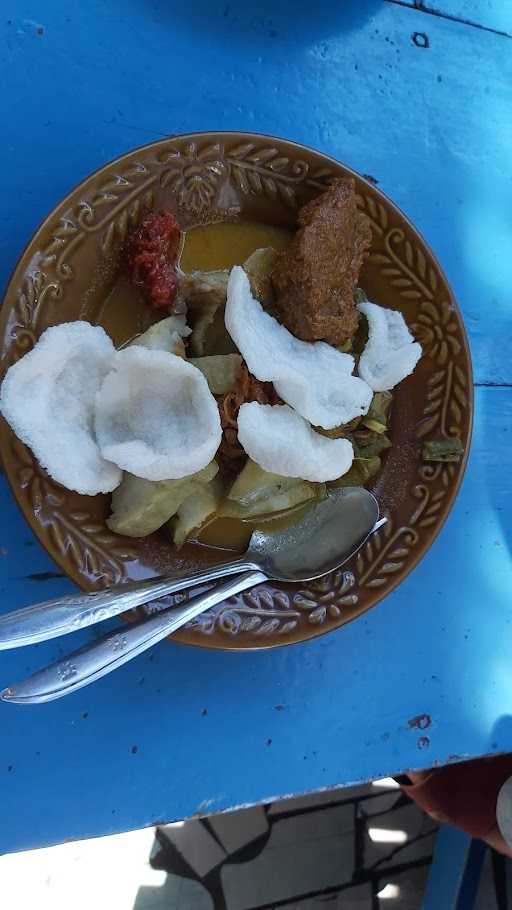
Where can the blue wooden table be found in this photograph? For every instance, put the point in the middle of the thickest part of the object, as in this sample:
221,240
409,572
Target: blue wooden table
420,100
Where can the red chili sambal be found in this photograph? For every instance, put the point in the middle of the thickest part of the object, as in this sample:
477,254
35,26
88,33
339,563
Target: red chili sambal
151,255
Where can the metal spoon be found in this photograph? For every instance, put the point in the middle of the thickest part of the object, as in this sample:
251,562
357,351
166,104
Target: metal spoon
334,527
327,536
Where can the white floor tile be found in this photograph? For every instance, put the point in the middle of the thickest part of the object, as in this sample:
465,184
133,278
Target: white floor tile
409,821
196,845
291,868
381,802
333,821
357,898
102,872
237,829
175,894
411,890
305,853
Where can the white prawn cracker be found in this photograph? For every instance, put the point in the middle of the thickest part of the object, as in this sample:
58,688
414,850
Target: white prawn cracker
48,397
155,415
314,378
391,353
281,441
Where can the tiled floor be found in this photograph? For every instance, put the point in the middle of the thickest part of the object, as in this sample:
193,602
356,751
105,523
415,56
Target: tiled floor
362,849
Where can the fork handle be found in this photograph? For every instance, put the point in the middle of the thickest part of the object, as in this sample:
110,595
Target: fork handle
106,654
62,615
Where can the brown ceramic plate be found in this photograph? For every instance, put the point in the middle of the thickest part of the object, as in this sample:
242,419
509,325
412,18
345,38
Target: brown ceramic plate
69,268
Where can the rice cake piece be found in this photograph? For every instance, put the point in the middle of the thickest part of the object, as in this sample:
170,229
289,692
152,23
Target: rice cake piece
220,371
196,509
140,506
257,492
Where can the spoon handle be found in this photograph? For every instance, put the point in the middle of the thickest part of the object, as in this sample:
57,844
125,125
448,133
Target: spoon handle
77,611
106,654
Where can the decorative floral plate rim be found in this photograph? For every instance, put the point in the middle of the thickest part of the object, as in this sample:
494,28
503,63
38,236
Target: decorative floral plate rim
223,174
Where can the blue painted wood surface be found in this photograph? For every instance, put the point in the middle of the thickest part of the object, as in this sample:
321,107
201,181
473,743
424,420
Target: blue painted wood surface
495,15
179,730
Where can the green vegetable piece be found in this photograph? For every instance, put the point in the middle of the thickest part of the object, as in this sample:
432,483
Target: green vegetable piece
194,512
140,507
359,296
219,370
367,443
362,470
443,449
377,416
340,432
374,425
379,408
336,432
258,492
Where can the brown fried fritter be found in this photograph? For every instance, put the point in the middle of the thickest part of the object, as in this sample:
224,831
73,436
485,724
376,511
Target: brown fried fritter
315,277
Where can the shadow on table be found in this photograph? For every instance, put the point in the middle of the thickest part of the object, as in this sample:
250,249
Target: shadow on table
185,886
316,849
265,20
501,735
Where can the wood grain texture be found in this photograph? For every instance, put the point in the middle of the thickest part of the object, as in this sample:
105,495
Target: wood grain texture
432,126
336,710
495,15
350,81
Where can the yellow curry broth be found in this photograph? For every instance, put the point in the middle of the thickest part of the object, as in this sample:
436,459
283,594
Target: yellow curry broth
234,534
221,246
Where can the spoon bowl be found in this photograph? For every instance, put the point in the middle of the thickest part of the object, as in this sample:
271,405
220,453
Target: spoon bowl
327,535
